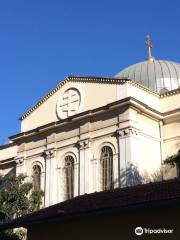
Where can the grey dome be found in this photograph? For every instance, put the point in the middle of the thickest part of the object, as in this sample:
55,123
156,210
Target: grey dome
157,75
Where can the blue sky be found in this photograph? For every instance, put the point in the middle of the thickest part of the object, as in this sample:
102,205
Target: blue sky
43,41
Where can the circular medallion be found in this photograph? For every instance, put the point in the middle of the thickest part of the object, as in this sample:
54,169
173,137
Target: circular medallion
68,104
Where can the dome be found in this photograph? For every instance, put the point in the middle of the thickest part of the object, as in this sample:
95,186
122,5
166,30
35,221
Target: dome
158,75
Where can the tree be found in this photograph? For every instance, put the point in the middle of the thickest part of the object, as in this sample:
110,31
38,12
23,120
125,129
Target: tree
173,160
17,198
9,235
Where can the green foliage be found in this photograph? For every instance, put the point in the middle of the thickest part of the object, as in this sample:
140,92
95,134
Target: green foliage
173,160
18,198
9,235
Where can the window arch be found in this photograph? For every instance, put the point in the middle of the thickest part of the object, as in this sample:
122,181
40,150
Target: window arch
69,176
106,160
37,177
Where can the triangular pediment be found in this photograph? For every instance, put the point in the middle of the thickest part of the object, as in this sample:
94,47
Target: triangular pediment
71,96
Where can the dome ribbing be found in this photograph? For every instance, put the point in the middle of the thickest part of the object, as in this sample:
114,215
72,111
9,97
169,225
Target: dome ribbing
158,75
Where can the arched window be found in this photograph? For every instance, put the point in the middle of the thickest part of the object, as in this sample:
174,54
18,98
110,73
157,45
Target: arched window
69,175
37,177
106,159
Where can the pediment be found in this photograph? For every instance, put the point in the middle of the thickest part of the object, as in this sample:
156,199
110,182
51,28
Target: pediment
71,96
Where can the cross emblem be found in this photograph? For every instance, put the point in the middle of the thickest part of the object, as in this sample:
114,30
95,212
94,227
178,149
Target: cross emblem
70,102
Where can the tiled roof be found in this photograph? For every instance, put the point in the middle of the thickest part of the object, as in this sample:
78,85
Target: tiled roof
118,198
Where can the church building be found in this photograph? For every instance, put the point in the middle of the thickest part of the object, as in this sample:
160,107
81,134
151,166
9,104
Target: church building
92,134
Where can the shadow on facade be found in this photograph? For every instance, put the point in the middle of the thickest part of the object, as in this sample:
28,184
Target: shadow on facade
4,180
130,176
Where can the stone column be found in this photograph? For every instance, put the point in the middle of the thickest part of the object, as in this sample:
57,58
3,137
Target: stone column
84,147
128,154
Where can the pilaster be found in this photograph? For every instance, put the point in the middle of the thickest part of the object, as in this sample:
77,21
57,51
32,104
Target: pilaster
84,147
50,176
94,175
128,154
20,165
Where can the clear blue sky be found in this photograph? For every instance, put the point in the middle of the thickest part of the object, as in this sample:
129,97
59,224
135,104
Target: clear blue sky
42,41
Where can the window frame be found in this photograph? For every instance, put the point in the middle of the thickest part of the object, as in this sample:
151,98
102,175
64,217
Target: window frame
106,167
38,187
69,163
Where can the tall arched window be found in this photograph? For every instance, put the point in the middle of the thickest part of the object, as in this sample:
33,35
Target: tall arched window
37,177
106,159
69,175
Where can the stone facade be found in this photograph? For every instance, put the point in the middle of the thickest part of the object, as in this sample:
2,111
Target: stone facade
82,115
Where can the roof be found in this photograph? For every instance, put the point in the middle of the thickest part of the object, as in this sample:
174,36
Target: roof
144,194
158,75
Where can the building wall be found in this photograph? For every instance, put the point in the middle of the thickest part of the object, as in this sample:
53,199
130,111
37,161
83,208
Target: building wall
171,144
170,102
111,225
140,141
7,162
171,132
149,145
131,135
7,152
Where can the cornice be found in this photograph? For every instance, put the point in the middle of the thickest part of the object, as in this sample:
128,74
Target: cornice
170,93
42,100
7,161
7,145
76,117
142,87
97,79
126,102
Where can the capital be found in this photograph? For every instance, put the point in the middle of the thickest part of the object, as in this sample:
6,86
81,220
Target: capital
49,153
82,144
19,161
126,132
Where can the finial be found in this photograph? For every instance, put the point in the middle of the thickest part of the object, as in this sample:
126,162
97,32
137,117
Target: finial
149,47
